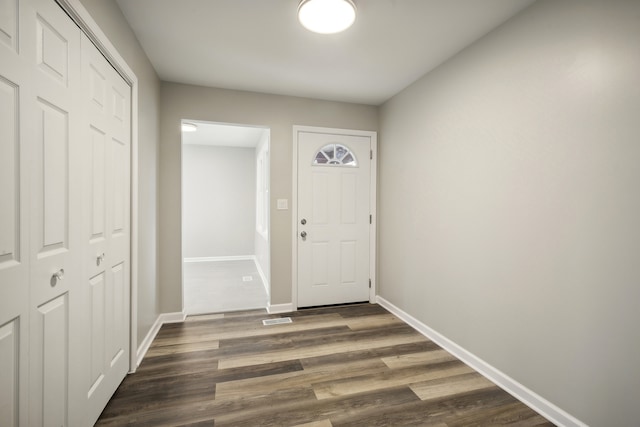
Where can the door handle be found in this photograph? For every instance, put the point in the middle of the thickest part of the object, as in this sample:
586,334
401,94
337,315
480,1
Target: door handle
58,275
303,235
99,259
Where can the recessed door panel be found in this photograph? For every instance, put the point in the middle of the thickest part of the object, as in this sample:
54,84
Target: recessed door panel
119,107
53,188
98,86
348,262
117,341
98,183
320,192
9,174
320,267
52,51
9,23
348,198
119,166
98,328
10,372
52,325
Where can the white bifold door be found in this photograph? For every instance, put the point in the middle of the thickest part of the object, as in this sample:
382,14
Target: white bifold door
107,139
15,68
64,220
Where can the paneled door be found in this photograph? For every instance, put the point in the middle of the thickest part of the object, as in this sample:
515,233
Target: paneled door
52,42
333,223
64,220
106,234
14,220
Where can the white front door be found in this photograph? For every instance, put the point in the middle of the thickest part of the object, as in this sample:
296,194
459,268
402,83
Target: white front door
333,220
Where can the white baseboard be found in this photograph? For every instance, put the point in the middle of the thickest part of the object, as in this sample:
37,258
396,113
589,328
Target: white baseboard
508,384
148,339
176,317
220,258
280,308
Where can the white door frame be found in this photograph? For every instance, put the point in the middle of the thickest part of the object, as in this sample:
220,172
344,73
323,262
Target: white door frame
372,205
81,17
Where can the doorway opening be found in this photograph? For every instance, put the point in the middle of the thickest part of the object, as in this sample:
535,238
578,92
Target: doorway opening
225,217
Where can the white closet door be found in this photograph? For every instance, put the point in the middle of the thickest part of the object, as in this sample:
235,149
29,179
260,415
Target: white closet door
52,42
64,220
106,234
14,220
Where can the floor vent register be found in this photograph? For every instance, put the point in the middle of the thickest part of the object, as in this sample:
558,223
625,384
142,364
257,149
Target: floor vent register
279,321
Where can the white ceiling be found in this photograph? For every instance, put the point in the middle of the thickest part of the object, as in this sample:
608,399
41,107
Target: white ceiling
258,45
215,134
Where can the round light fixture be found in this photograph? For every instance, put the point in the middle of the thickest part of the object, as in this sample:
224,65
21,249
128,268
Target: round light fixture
189,127
326,16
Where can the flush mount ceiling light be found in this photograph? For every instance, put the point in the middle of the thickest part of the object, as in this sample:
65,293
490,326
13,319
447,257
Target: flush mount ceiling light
326,16
189,127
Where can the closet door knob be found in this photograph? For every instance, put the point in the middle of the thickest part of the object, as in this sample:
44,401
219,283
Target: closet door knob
57,276
99,259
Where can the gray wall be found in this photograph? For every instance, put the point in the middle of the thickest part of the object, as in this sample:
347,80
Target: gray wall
218,201
279,113
509,203
110,19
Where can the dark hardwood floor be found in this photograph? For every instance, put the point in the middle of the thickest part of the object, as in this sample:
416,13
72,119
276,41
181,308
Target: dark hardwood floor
354,365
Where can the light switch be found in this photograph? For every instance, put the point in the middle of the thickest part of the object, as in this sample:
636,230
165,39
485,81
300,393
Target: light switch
283,204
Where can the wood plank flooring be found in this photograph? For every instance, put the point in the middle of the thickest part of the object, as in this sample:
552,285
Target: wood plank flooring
354,365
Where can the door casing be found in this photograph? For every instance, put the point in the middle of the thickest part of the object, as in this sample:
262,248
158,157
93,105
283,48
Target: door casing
372,200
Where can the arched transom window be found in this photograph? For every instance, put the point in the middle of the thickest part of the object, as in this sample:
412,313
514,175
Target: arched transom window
335,155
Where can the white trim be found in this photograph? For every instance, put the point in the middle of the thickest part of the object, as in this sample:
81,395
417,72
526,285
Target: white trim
373,138
294,222
175,317
502,380
88,25
221,258
280,308
151,335
146,342
373,209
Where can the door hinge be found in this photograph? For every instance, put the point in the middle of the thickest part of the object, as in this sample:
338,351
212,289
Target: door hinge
370,219
369,283
371,154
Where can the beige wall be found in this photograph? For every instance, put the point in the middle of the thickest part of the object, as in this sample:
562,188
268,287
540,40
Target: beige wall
279,113
110,19
509,203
